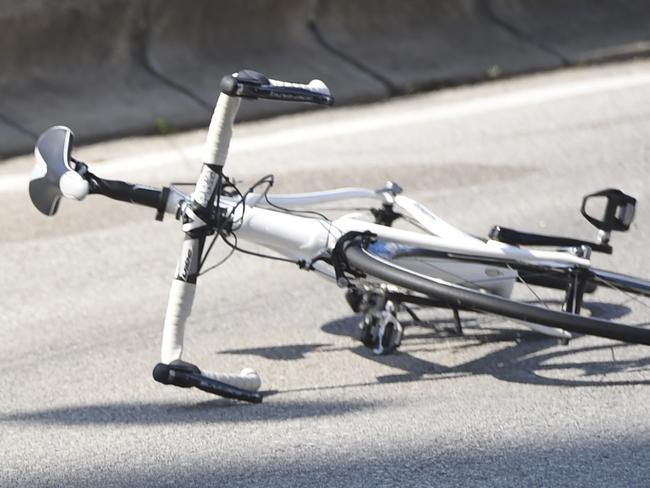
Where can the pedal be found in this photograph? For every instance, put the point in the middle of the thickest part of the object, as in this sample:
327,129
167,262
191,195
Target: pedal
616,208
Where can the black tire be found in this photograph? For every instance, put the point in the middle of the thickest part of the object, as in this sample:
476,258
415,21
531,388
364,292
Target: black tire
469,298
621,282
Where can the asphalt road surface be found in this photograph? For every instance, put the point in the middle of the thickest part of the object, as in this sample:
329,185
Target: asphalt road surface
83,294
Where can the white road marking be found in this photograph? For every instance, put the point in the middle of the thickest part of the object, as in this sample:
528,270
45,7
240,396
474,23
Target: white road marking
366,123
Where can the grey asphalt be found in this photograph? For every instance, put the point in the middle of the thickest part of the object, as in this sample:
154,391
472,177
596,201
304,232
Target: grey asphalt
83,296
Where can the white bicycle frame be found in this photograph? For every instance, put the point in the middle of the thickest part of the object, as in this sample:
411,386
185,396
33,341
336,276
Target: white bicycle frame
307,239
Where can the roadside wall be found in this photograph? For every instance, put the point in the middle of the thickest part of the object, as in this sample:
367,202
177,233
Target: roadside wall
110,68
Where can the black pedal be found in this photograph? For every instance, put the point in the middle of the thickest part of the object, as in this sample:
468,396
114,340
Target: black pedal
617,210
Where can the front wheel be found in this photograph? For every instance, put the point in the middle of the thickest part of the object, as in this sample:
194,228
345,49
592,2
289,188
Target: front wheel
622,319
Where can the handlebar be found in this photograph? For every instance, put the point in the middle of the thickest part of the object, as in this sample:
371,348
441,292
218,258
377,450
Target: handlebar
251,84
244,84
57,174
243,386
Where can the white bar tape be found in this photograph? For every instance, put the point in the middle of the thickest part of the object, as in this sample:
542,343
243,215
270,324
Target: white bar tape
216,146
247,379
179,306
316,86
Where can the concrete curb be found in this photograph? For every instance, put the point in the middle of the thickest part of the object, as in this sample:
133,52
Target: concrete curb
579,31
421,44
112,68
72,63
271,37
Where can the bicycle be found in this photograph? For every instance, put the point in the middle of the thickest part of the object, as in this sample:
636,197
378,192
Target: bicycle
384,270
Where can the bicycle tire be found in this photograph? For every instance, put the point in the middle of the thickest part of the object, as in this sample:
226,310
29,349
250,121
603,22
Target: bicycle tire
360,259
620,281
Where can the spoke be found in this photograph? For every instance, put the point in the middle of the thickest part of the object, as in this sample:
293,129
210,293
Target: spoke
539,299
629,295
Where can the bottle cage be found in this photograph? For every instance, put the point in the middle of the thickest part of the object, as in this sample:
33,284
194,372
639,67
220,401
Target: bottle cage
619,210
54,174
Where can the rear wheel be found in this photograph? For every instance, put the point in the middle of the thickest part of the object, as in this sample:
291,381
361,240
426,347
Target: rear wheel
615,306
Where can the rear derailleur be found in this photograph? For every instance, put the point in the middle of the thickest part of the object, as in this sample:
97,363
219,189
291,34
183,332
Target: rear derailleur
379,329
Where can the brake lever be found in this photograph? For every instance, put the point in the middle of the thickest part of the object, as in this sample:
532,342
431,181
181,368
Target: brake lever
187,375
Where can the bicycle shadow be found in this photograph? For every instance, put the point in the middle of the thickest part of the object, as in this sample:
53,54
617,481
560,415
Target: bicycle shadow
512,355
522,356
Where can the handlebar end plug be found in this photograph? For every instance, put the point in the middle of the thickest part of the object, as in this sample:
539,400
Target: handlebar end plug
177,373
236,83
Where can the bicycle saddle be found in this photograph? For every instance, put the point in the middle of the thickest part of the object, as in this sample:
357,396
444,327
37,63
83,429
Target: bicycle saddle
54,173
